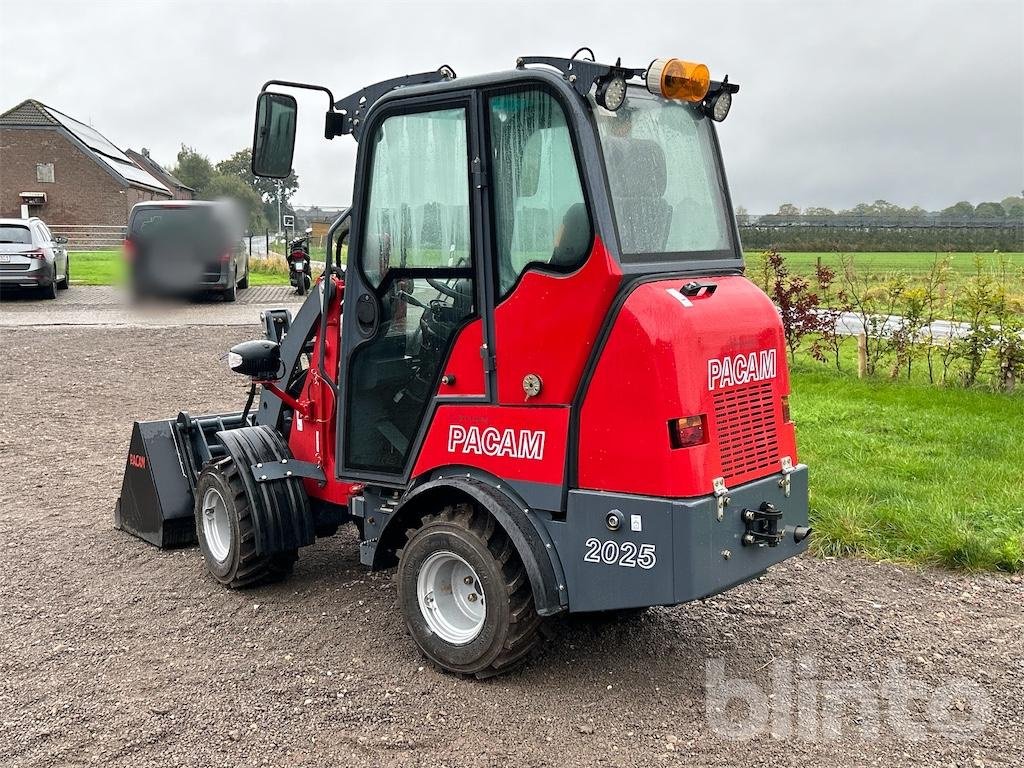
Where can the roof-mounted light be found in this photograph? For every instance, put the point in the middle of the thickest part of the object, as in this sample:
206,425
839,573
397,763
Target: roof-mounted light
717,106
611,91
678,79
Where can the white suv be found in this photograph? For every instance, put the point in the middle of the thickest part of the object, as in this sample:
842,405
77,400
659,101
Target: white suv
31,257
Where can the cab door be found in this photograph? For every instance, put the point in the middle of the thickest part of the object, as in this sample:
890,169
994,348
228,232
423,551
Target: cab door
412,286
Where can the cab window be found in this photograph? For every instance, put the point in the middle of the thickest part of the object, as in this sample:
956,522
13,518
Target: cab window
540,214
418,211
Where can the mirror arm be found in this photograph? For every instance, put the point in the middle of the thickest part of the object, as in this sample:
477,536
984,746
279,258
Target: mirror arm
334,121
307,86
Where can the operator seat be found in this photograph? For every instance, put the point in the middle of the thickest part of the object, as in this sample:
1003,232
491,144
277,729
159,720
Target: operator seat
637,175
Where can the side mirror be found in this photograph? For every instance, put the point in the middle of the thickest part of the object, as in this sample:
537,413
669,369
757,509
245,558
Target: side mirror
309,230
60,240
273,141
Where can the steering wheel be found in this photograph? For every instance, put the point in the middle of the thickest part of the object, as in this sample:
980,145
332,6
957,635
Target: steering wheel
408,298
443,288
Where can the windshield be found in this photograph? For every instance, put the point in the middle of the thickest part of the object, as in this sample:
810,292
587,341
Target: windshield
667,194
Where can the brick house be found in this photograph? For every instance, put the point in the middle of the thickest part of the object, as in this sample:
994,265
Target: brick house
66,172
179,189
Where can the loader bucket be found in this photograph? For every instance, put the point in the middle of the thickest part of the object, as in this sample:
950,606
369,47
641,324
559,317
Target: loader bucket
156,495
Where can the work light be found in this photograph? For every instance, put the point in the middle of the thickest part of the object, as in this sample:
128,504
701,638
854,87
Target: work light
611,92
717,107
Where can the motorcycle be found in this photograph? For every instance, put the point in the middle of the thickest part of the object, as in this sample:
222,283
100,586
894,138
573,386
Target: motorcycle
298,263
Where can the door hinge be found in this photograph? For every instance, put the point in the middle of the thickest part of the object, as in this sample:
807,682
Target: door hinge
490,363
479,177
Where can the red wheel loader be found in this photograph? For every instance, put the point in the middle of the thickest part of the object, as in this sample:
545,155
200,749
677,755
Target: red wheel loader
541,384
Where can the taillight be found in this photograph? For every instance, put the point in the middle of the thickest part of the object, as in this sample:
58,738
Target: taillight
785,409
35,253
129,250
225,257
684,433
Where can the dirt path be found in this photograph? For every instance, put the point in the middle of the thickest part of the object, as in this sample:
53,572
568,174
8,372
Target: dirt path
113,653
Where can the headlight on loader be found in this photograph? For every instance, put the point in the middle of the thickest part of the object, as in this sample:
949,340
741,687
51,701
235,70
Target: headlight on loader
260,359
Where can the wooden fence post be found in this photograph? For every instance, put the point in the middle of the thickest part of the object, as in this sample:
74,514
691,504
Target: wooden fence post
862,355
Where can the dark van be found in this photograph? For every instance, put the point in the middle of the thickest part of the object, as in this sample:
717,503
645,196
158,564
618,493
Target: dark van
186,248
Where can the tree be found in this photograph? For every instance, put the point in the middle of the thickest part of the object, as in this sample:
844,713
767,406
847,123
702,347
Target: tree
1014,206
194,169
788,209
239,165
223,185
990,211
742,217
963,209
818,211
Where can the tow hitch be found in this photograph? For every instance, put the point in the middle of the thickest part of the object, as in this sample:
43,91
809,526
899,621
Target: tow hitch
762,526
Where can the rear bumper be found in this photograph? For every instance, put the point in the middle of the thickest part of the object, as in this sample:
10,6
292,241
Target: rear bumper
188,280
669,551
38,274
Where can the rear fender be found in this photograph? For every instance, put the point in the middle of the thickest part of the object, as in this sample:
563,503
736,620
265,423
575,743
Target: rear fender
529,536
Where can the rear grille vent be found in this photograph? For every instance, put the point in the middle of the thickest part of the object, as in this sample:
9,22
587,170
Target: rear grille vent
747,435
14,267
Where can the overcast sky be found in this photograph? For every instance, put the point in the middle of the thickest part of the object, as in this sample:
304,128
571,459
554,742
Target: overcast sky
840,102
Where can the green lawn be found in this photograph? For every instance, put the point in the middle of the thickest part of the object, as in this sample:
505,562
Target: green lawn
108,268
893,261
912,472
96,267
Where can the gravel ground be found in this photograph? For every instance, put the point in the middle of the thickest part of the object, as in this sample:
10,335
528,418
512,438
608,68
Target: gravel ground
114,653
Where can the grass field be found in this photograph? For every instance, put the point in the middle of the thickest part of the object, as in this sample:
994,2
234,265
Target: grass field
912,472
893,261
108,268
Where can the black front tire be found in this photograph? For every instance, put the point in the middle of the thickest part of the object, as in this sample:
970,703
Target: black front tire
511,626
242,566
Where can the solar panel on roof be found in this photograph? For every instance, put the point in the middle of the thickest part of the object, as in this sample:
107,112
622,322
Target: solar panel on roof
90,136
107,152
132,172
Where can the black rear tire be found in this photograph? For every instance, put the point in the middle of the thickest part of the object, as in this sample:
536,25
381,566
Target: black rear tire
245,278
63,284
48,291
230,293
242,566
511,626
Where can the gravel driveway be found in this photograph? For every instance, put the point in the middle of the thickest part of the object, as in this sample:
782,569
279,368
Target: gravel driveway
113,653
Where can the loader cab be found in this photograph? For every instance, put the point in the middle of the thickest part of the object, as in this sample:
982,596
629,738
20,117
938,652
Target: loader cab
493,220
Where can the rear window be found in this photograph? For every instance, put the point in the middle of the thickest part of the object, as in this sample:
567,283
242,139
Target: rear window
663,171
218,221
14,233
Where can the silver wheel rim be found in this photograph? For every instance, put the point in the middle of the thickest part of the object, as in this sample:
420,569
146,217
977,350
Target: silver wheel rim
451,598
216,525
